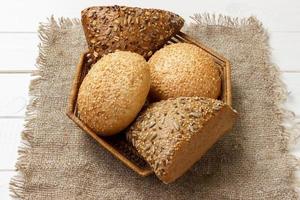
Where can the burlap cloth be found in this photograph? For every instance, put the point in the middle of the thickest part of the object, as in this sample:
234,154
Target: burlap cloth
59,161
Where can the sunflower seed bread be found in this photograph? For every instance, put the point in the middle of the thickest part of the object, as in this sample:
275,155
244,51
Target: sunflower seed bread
142,31
171,135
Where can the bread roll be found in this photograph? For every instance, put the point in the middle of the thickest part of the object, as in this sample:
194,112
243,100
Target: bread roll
143,31
171,135
113,92
183,69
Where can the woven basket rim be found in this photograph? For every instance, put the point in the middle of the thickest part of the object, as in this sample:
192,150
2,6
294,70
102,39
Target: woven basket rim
179,37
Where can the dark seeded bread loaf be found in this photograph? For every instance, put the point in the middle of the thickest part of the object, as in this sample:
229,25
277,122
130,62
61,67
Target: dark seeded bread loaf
171,135
142,31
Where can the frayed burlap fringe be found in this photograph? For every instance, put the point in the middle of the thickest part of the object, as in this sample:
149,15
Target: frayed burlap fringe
18,182
222,20
289,132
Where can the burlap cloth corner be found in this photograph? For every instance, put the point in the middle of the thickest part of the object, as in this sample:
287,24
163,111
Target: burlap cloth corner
59,161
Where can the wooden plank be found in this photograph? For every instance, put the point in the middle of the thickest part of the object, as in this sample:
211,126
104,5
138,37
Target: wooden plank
274,15
14,87
10,132
18,51
14,94
5,177
16,97
292,81
285,51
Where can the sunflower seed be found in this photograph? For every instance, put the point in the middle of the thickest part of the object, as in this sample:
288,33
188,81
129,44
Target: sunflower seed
162,121
176,126
192,128
129,19
195,114
149,53
90,60
147,147
153,136
117,21
95,54
94,22
125,21
152,124
116,38
115,27
156,166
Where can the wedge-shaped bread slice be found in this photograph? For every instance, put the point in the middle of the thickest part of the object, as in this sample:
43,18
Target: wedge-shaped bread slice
172,135
142,31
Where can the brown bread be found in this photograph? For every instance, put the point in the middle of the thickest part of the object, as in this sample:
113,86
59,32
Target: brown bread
171,135
142,31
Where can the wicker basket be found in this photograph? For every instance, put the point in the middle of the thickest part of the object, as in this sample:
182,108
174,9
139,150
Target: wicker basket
117,145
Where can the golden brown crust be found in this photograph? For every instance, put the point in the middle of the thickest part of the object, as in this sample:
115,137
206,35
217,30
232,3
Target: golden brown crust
163,132
191,151
143,31
183,69
113,92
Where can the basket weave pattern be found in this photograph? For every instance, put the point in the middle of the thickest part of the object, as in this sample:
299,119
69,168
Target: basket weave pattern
118,145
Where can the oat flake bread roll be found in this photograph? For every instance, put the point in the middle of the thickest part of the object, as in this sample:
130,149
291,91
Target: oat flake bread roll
143,31
171,135
183,69
113,92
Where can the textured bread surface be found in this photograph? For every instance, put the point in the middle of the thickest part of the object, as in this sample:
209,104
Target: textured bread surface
183,69
143,31
171,135
113,92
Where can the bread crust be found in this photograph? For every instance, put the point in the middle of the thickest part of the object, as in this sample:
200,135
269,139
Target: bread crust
113,92
143,31
183,69
171,135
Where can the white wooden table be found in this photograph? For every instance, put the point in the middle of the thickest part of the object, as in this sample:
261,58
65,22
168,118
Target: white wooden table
18,49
